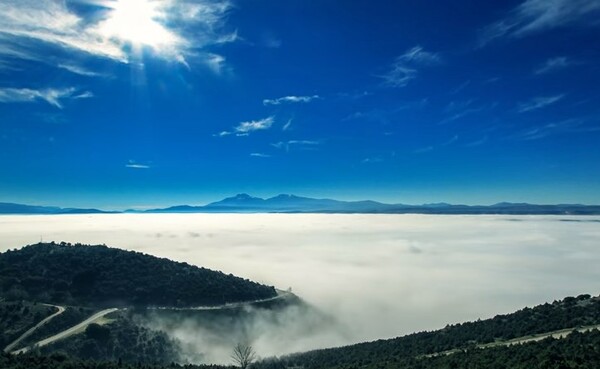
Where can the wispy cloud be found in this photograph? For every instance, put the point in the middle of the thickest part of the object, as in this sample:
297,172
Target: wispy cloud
554,64
405,67
287,125
450,141
372,160
423,150
255,125
245,128
539,102
302,144
456,110
260,155
76,69
84,95
50,95
564,126
109,29
290,99
539,15
479,142
133,165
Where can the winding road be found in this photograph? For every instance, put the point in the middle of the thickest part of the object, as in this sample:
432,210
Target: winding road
99,315
232,305
68,332
12,345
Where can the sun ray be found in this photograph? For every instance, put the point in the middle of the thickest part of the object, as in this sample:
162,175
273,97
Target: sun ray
138,22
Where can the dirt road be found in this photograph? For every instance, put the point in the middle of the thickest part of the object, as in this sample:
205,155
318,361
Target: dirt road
14,344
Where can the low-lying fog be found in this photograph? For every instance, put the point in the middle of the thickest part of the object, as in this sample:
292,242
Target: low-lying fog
379,275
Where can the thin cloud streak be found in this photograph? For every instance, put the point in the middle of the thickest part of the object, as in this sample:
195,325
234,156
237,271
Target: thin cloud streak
539,102
255,125
533,16
561,127
50,95
245,128
290,99
302,144
554,64
405,67
137,166
76,69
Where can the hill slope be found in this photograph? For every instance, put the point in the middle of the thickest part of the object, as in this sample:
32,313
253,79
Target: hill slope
103,276
411,351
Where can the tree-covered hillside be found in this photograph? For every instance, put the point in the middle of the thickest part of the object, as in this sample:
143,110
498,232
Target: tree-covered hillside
18,316
571,312
102,276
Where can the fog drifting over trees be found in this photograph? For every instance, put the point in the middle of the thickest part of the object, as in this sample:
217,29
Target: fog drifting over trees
379,275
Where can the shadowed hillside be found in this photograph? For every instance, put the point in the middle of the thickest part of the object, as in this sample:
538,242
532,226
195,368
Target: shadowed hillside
103,276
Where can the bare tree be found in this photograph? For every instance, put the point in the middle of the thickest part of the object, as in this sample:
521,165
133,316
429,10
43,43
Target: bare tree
243,355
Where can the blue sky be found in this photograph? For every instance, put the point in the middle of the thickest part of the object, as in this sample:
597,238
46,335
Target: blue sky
143,103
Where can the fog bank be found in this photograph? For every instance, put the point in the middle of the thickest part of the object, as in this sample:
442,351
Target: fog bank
379,275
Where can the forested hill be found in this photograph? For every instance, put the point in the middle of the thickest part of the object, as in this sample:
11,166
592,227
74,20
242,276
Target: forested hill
102,276
408,351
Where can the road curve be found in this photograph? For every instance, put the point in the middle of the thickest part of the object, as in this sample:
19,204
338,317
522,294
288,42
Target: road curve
232,305
77,328
12,345
68,332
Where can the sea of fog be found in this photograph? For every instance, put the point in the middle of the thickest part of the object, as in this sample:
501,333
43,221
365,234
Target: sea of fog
380,276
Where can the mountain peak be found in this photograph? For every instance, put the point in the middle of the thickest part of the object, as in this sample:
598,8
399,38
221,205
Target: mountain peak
285,196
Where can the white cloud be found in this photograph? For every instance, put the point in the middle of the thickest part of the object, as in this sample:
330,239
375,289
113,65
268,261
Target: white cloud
173,30
222,134
134,165
533,16
51,22
539,102
287,125
404,69
302,144
565,126
255,125
76,69
460,109
372,160
215,62
479,142
452,140
84,95
554,64
423,150
417,55
290,99
260,155
51,95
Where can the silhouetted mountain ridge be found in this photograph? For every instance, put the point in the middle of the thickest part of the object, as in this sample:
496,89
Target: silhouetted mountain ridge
288,203
11,208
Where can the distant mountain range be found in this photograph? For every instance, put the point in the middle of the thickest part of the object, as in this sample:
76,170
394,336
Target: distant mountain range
244,203
10,208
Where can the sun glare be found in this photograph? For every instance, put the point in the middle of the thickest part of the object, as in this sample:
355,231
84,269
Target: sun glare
137,22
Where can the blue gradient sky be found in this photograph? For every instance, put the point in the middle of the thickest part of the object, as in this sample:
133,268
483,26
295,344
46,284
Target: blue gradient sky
141,103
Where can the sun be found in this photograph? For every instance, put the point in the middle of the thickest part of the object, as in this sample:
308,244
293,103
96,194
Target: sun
138,22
